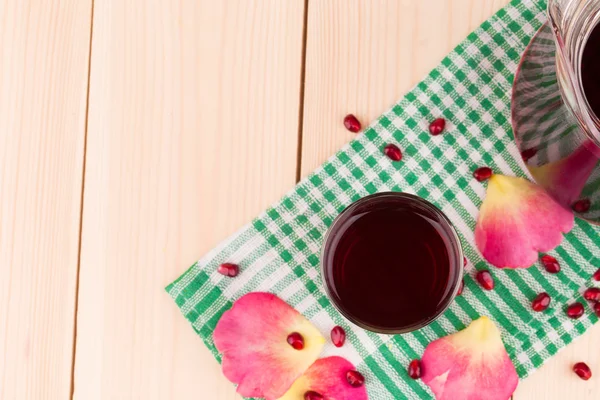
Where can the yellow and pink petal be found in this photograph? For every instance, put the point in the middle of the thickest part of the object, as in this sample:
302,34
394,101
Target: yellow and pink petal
327,378
517,220
565,179
471,364
253,338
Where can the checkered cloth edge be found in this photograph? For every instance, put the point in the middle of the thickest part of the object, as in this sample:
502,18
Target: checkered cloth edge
279,251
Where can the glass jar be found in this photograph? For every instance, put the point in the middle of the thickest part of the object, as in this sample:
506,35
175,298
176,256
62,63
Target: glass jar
572,23
554,125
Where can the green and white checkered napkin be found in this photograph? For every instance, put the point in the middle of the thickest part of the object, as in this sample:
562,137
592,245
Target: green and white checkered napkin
279,251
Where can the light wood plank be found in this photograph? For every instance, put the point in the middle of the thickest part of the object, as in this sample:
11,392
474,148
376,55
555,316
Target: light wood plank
362,56
44,49
193,130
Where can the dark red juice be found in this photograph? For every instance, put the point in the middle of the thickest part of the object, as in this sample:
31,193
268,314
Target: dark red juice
590,70
392,262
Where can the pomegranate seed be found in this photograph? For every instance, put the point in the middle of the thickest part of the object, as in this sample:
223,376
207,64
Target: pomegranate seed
229,269
355,378
551,264
352,123
541,302
592,294
437,126
482,174
582,370
296,340
465,261
575,310
393,152
312,395
338,336
461,287
582,206
485,279
528,154
414,369
597,276
597,309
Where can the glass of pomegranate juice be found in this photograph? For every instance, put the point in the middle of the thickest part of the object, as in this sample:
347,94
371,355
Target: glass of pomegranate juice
391,263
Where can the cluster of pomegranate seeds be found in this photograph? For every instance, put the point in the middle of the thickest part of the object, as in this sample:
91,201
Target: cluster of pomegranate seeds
355,378
483,174
582,370
312,395
592,294
393,152
582,206
541,302
352,123
485,279
437,126
551,264
575,310
296,340
596,276
414,369
527,154
229,269
461,287
338,336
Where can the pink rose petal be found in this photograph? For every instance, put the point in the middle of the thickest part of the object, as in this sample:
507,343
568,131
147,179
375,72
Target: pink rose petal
327,377
517,220
471,364
252,336
566,178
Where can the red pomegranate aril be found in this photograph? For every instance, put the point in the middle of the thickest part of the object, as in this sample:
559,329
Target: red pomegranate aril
582,206
465,261
596,276
592,294
551,264
437,126
541,302
355,378
575,310
485,279
229,269
296,340
527,154
582,370
414,369
461,287
393,152
483,174
338,336
352,123
312,395
597,309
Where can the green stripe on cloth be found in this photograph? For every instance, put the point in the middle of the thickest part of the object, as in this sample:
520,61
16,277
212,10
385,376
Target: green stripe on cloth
279,251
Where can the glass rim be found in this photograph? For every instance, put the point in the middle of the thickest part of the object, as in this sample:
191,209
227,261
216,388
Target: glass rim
456,246
572,23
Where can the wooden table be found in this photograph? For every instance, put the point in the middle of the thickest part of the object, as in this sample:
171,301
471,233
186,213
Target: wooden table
136,134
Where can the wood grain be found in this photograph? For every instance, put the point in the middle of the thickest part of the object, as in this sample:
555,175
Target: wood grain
193,130
44,49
